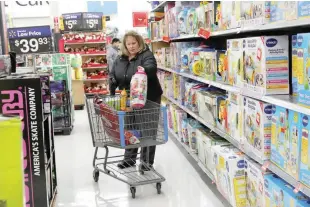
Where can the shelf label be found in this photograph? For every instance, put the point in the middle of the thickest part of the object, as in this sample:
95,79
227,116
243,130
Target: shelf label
25,40
298,188
204,33
265,166
166,39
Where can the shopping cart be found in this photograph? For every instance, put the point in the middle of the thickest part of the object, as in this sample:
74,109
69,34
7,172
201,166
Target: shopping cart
111,127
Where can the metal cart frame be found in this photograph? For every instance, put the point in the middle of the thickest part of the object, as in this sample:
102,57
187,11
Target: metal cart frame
108,128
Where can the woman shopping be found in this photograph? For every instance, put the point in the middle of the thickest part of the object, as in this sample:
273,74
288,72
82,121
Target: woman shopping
134,53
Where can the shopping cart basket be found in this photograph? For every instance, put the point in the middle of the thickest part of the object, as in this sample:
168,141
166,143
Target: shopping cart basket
111,127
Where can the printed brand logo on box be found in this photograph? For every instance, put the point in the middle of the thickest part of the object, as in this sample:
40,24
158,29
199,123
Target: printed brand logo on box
300,40
41,31
240,164
305,121
294,40
271,42
268,109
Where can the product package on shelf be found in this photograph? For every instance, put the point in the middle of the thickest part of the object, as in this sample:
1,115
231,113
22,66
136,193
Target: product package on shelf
303,9
11,172
255,13
295,66
24,95
266,65
205,141
283,11
6,66
303,88
280,193
285,132
235,62
192,127
222,67
230,174
255,184
235,116
257,127
304,149
43,63
230,15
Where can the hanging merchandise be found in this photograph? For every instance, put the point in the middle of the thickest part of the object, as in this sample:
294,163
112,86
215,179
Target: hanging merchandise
25,40
11,170
23,95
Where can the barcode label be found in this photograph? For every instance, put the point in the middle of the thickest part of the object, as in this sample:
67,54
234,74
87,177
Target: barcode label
3,203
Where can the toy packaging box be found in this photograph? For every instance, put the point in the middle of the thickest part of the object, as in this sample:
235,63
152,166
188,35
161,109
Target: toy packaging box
176,86
303,69
285,133
254,183
192,128
191,22
303,9
304,149
230,174
209,64
294,65
11,173
180,116
280,193
257,127
221,113
222,66
283,11
235,62
254,13
266,65
230,15
235,116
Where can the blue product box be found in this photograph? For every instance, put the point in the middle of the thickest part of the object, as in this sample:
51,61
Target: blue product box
280,138
280,193
303,9
304,149
303,69
294,65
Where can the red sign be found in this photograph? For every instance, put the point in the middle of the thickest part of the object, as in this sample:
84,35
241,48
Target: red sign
139,19
166,39
204,33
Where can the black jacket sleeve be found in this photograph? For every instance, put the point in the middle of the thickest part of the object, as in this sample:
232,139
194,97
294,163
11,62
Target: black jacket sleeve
149,64
112,80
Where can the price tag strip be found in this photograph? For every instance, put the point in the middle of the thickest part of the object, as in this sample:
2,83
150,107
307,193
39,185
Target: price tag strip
92,21
27,40
72,22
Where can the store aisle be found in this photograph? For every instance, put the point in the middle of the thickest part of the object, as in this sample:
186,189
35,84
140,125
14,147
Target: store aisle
76,188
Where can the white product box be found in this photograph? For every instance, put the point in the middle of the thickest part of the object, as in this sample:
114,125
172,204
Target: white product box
257,127
235,68
229,175
266,65
254,13
235,116
254,184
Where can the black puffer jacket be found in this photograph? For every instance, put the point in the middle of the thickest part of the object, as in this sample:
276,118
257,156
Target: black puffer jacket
123,70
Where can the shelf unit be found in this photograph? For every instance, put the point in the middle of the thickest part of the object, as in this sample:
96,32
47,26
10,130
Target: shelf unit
286,101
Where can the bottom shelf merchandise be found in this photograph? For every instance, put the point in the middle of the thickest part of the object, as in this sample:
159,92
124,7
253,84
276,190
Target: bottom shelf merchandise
239,179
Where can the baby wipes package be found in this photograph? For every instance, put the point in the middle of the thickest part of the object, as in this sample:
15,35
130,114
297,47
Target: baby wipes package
138,89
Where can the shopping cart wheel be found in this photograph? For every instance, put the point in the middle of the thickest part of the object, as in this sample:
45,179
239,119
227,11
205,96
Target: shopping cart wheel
96,175
133,192
158,187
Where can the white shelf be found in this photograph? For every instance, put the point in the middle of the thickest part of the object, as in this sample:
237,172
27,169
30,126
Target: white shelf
95,80
160,7
97,54
92,68
84,43
272,167
286,101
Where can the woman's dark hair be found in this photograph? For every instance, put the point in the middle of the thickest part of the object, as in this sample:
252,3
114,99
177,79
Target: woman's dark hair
115,40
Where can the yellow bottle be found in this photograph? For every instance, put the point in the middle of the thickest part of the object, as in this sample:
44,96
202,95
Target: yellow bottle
123,100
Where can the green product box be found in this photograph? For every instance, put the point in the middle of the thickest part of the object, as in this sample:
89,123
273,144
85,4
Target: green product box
60,59
63,73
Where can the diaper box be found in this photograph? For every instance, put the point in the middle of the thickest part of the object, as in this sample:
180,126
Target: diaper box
303,69
257,127
303,9
284,140
280,193
294,66
235,116
230,174
254,183
266,65
304,149
234,55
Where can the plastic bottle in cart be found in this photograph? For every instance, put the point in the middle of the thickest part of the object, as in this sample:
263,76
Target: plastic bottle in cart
123,100
138,89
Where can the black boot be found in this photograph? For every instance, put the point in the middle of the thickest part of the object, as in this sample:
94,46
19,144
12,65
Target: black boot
126,164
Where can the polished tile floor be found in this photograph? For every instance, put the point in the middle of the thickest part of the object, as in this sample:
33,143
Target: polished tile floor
76,188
